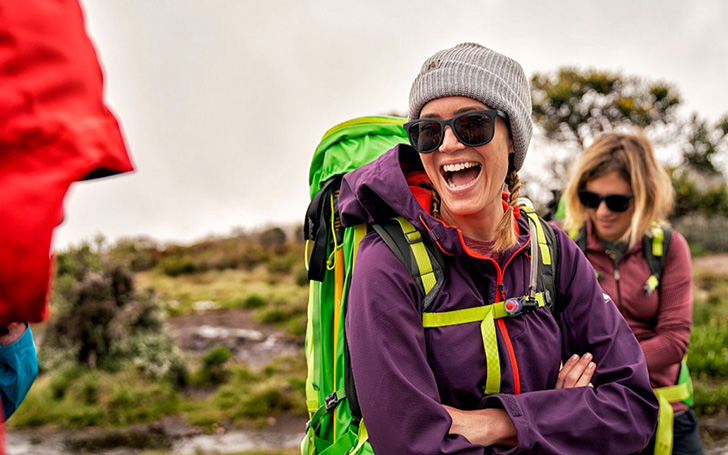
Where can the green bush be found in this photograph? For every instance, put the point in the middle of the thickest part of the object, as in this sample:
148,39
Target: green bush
709,397
175,266
213,370
253,301
708,354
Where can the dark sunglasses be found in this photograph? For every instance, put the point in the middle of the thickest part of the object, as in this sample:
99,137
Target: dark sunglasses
472,128
615,202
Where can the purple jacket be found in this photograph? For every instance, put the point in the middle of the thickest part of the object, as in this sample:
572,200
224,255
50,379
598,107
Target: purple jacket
403,372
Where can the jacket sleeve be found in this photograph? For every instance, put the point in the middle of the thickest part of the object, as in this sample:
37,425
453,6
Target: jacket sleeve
674,317
618,415
395,386
18,370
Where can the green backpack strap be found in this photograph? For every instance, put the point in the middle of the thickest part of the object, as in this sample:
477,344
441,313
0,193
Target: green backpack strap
423,261
656,247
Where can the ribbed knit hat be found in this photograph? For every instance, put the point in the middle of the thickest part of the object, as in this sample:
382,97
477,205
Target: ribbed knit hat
482,74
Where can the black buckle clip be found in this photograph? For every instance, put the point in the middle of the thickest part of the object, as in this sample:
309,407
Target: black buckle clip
530,303
331,401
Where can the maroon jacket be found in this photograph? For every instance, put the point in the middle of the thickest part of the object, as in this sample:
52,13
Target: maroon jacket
662,320
403,372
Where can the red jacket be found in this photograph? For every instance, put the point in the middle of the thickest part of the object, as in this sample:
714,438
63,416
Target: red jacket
54,130
661,321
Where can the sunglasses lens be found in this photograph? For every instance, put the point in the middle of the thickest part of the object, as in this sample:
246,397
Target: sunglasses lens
589,200
474,129
617,202
425,136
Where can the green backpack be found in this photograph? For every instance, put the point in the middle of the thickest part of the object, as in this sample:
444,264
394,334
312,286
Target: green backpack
330,249
335,426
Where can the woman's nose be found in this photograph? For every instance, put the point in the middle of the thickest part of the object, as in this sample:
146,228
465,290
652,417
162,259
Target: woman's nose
603,208
450,142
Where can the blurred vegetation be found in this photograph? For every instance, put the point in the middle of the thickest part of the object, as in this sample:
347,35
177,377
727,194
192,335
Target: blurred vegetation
250,398
573,106
107,356
708,351
292,451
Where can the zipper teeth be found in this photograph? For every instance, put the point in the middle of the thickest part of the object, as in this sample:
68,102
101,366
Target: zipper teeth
364,121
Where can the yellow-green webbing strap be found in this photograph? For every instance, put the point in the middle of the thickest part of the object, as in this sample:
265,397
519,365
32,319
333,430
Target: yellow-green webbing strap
422,259
475,314
658,236
492,359
486,315
362,437
360,231
312,399
666,395
543,245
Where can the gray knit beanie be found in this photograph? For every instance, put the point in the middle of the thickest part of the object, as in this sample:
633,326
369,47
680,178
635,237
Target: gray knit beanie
479,73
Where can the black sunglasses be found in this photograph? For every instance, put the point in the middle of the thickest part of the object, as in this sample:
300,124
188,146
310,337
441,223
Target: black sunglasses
472,128
615,202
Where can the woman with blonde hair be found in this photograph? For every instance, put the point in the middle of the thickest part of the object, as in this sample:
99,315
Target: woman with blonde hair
617,203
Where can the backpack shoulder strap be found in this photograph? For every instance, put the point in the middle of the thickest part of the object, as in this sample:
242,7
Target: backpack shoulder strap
656,247
544,257
422,260
318,229
579,237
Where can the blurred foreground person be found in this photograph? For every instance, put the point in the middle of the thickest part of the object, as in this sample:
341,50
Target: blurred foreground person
54,130
617,204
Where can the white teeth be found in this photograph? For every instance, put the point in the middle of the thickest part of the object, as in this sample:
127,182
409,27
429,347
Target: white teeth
458,167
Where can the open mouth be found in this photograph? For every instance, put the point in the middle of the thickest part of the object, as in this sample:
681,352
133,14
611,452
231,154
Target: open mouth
461,174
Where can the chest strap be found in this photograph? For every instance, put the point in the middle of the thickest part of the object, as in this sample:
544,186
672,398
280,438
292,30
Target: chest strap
486,315
664,434
682,391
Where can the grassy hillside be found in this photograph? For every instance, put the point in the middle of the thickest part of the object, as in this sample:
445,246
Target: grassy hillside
145,373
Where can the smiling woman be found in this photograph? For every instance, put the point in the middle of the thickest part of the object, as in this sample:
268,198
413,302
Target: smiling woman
478,371
617,204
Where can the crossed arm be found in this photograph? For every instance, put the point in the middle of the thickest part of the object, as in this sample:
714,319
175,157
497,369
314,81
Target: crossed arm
492,426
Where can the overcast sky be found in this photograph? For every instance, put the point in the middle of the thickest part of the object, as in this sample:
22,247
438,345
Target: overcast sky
222,102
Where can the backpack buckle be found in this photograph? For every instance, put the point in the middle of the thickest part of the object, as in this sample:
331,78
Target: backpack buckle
530,303
518,305
331,401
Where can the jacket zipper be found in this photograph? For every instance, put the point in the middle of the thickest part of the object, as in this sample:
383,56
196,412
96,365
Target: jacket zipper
501,296
619,292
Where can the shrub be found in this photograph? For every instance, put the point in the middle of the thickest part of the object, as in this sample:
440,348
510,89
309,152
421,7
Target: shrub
710,397
708,355
253,301
213,369
175,265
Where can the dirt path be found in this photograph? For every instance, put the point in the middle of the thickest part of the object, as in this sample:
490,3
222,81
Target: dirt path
250,342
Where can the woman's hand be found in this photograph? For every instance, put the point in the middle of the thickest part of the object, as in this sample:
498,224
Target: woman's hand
577,372
12,333
485,427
